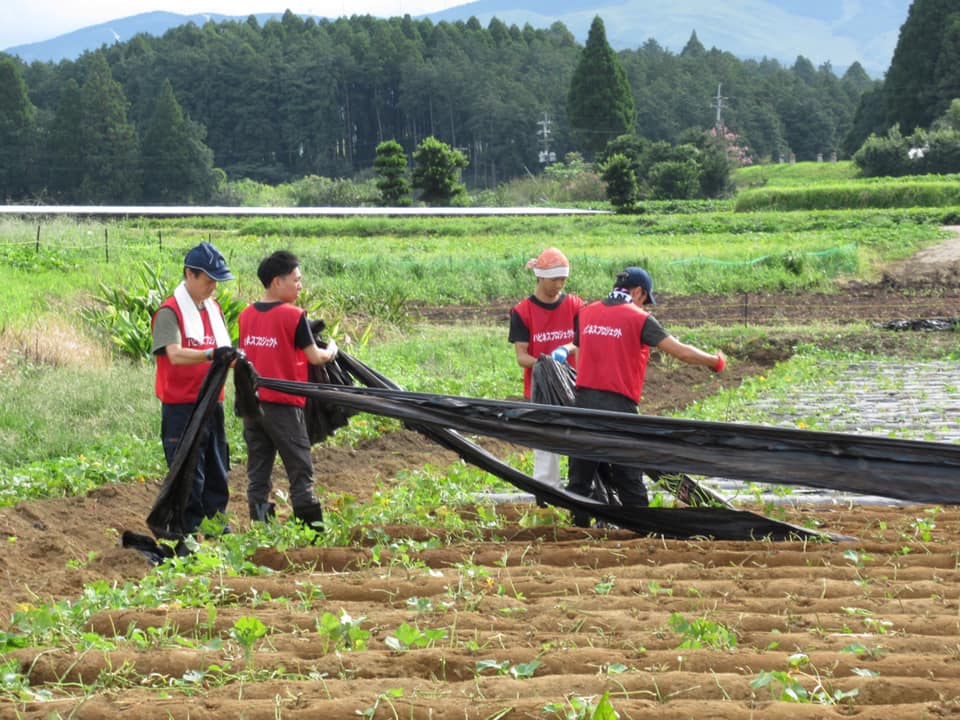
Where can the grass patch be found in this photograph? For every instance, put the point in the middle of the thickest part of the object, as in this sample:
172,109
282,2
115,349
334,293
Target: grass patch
793,174
352,264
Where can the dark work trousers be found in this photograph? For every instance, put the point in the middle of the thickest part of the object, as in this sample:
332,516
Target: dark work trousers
279,429
210,491
626,480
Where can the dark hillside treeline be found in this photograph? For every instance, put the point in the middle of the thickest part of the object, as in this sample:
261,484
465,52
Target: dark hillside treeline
296,97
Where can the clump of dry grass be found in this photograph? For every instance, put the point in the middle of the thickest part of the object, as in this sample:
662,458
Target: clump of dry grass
51,341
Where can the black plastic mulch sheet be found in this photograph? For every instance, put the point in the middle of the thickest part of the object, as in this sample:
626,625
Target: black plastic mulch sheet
939,324
166,517
323,418
916,471
554,383
382,397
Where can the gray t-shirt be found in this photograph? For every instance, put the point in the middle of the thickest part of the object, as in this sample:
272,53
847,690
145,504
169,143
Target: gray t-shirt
166,329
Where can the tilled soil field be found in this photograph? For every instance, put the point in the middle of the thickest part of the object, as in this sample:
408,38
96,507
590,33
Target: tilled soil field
532,622
526,622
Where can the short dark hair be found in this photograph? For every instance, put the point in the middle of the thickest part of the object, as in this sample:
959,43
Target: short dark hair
278,264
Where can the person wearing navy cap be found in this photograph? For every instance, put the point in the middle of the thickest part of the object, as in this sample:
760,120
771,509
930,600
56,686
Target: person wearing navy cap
188,330
613,338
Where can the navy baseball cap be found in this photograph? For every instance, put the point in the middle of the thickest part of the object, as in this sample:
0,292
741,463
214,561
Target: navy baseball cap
633,277
207,258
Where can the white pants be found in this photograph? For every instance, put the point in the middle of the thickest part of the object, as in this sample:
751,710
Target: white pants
546,467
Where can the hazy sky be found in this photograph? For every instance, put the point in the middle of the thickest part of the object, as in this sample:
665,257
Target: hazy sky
36,20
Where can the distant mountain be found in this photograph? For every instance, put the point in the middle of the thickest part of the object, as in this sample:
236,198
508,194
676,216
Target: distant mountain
821,30
72,45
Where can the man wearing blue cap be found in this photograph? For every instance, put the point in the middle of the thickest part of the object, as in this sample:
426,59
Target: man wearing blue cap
188,330
613,338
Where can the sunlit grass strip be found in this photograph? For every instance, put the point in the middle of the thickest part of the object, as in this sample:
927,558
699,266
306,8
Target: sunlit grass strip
801,173
904,192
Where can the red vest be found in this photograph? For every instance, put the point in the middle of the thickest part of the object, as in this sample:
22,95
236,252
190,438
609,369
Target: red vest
177,384
268,338
612,355
549,329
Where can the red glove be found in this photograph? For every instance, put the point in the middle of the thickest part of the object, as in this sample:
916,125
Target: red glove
721,363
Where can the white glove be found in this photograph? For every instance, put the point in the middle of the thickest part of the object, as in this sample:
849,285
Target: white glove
332,348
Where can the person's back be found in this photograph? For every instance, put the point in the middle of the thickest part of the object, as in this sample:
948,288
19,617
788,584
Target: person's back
611,352
614,337
268,338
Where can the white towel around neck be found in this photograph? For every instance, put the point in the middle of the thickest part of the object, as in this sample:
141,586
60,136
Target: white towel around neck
193,323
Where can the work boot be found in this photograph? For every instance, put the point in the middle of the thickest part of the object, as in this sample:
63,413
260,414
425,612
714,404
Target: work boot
263,512
310,515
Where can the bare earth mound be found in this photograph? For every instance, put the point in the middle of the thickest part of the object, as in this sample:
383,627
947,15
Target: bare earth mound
532,619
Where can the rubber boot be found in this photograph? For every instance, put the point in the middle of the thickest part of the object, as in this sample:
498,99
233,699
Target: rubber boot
263,512
580,518
311,515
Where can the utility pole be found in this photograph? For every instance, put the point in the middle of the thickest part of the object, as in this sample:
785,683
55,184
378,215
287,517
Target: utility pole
546,156
718,103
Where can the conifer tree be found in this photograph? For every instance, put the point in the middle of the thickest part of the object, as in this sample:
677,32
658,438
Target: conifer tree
108,141
391,166
436,172
917,73
600,104
177,165
18,134
65,164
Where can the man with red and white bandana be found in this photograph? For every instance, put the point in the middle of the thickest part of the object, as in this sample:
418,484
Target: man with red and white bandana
613,338
542,324
276,338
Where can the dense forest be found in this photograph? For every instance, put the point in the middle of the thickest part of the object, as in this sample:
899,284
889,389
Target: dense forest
298,97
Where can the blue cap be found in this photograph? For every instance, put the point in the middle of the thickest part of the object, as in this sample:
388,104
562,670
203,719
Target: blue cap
633,277
207,258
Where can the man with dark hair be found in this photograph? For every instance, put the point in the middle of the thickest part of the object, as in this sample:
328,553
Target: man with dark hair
188,329
614,337
277,340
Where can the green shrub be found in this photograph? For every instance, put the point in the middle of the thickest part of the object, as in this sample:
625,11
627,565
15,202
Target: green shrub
621,180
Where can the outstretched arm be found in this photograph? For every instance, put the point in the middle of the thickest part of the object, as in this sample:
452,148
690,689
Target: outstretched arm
692,355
